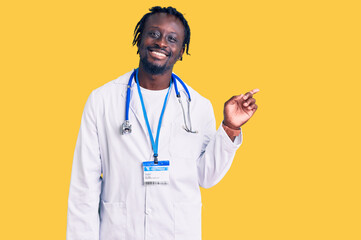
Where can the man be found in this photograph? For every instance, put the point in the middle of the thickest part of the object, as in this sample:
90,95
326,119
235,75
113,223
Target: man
154,162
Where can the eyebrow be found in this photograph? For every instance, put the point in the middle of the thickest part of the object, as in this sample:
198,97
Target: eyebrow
159,28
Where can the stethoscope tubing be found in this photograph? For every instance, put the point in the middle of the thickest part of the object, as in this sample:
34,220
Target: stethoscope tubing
175,79
127,102
183,85
126,127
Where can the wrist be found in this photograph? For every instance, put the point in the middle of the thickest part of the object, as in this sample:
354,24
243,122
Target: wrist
232,132
225,123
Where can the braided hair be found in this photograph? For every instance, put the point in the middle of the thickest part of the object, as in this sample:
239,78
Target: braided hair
169,10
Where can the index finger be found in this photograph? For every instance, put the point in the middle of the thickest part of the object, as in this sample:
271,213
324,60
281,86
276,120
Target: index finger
250,93
256,90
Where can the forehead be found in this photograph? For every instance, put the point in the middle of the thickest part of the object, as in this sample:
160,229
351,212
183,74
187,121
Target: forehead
166,22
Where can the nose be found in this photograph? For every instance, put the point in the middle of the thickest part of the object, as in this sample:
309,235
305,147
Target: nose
161,42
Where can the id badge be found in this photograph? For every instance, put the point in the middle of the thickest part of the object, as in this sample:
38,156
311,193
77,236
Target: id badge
156,173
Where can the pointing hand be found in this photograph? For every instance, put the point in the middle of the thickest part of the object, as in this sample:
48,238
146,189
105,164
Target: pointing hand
239,109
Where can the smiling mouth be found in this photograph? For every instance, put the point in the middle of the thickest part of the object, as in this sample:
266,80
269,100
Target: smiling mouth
158,54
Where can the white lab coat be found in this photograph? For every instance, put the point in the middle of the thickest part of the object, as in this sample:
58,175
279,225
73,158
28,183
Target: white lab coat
118,206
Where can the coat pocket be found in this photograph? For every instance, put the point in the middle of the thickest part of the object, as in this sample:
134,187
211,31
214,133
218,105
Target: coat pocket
183,143
113,220
188,220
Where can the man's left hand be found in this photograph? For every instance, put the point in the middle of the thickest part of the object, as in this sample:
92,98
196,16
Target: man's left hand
239,109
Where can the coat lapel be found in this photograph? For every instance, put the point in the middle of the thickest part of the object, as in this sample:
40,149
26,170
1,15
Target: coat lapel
171,109
136,107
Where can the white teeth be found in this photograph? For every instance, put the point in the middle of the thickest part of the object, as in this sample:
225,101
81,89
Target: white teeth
159,54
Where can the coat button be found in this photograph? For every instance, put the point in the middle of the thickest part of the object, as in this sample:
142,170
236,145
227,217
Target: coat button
148,211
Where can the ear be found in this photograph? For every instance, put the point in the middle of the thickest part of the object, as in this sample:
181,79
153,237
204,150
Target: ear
181,54
138,43
139,40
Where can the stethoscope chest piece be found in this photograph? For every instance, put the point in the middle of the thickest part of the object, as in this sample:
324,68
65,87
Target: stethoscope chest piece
126,127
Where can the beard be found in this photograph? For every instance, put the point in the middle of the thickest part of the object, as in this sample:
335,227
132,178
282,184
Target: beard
153,68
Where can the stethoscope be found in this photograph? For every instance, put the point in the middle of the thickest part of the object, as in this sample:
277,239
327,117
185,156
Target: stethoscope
127,127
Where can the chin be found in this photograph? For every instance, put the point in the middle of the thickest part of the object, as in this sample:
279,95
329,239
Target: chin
152,68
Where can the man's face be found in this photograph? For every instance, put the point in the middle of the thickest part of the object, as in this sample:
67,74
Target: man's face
161,43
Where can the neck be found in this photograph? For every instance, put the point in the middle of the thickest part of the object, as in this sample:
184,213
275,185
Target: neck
154,82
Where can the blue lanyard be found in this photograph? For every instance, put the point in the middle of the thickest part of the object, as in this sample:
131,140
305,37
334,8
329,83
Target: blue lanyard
154,143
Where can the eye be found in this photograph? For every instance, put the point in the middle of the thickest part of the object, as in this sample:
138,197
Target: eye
154,34
172,39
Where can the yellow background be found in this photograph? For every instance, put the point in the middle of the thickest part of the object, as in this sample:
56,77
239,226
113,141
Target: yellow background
297,174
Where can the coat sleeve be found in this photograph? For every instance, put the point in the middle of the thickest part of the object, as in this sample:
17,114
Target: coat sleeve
218,152
85,184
